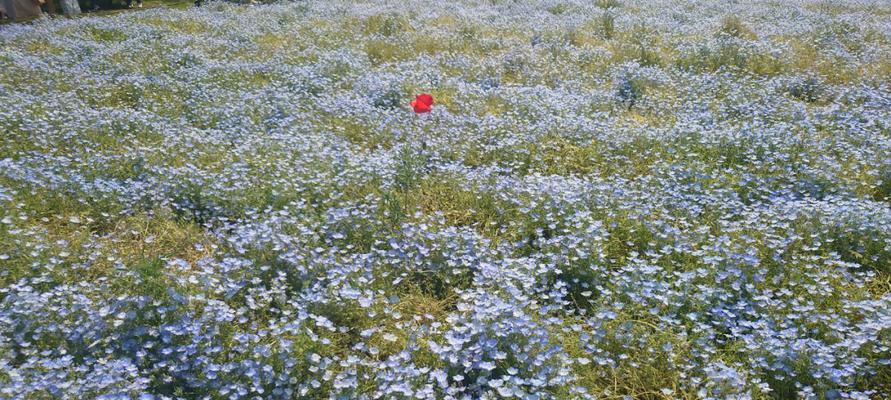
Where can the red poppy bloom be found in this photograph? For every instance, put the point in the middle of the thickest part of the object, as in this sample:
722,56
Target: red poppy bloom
423,103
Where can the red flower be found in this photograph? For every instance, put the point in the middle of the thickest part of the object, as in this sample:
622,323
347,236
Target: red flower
423,103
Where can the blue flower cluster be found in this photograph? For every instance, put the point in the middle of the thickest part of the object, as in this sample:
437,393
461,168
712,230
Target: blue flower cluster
610,199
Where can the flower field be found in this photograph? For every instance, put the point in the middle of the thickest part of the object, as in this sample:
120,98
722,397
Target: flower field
605,199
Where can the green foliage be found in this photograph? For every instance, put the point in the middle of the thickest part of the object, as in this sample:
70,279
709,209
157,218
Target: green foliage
107,35
558,9
608,4
883,189
122,95
607,25
809,89
731,55
733,26
643,46
391,99
630,89
386,25
383,51
410,168
151,280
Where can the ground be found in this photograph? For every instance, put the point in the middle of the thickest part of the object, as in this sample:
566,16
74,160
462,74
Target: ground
119,7
609,199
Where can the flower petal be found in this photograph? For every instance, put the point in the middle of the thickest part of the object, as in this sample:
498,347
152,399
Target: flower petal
425,98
